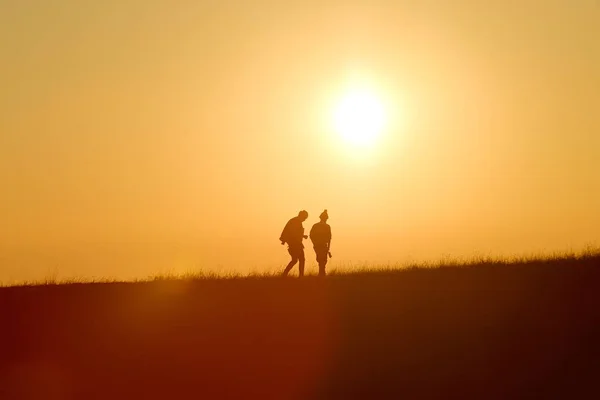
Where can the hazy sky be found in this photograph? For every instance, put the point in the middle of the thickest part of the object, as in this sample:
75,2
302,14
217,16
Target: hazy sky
142,135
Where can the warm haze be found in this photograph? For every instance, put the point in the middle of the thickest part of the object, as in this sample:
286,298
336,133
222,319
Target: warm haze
144,136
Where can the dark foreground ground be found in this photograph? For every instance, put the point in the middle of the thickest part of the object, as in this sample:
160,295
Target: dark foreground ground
487,332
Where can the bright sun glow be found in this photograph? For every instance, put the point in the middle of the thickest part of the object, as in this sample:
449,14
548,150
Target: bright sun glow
359,118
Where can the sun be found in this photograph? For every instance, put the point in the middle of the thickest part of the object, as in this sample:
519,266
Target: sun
359,117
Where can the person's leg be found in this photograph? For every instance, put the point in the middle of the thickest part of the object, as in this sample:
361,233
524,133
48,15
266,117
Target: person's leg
290,266
322,260
322,265
301,265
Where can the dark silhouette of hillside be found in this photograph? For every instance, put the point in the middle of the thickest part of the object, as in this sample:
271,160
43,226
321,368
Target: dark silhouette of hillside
487,332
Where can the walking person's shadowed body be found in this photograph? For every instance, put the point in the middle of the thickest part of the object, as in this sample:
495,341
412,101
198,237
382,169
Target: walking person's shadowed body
293,234
320,235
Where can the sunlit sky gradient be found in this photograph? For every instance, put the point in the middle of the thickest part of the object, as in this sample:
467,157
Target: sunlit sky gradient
139,136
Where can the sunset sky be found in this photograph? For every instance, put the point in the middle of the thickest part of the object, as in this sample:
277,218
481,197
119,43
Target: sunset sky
139,136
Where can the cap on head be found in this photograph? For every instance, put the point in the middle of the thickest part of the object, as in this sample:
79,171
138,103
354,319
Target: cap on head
324,215
303,214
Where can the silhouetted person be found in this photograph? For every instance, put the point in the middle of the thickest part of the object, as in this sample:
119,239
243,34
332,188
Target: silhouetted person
292,234
320,235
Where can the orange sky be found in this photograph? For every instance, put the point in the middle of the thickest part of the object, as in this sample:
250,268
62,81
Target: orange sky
142,136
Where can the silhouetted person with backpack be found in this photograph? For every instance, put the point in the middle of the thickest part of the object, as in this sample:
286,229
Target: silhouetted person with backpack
293,234
320,235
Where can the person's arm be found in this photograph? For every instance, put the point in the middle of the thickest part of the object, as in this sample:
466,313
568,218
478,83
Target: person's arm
329,241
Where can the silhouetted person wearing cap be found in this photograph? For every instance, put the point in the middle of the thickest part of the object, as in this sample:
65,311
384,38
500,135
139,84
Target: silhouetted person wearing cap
292,234
320,235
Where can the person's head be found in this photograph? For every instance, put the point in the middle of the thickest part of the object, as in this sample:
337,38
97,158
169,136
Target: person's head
324,216
303,215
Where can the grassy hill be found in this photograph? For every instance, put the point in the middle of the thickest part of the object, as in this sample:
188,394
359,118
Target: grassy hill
486,331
